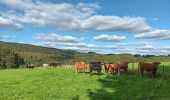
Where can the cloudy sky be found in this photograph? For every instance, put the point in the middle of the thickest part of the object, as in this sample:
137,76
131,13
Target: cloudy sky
115,26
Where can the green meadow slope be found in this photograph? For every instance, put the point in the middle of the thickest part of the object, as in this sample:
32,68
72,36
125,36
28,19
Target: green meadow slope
39,55
63,84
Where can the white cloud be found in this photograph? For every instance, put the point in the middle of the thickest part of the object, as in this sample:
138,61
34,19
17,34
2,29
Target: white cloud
9,24
117,48
136,44
167,48
116,23
8,37
68,17
54,38
86,50
153,50
81,45
146,47
109,38
156,35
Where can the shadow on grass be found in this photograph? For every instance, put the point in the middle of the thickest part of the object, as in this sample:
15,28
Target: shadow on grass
131,87
88,73
76,97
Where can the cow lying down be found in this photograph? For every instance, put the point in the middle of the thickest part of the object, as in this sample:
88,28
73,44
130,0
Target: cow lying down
152,67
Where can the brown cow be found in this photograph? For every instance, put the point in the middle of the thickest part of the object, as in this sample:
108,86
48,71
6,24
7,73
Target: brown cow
30,66
106,67
80,66
148,67
116,67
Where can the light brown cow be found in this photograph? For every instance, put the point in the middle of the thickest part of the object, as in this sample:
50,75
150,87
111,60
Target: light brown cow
148,67
45,65
80,66
116,67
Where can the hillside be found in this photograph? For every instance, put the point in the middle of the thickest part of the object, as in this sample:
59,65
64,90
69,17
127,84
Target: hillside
39,55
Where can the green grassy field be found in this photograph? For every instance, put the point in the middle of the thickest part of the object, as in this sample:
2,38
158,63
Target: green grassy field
64,84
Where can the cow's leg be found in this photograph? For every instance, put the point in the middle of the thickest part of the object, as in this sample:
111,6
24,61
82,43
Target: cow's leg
91,72
153,73
98,72
109,71
76,71
126,71
83,71
118,71
141,70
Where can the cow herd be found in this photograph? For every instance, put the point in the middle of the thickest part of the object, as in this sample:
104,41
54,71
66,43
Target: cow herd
116,67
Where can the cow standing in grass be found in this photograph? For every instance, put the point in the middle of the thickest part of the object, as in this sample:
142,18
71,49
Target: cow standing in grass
55,64
95,66
148,67
80,66
30,66
116,67
45,65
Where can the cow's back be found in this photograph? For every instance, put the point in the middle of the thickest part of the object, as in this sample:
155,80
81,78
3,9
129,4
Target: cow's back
80,65
122,65
147,66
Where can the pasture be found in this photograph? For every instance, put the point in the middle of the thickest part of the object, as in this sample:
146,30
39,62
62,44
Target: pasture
63,84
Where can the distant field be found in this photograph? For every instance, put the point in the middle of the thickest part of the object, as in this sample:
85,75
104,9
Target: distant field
64,84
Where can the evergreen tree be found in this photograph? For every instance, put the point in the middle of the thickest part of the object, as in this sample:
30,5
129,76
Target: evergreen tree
9,59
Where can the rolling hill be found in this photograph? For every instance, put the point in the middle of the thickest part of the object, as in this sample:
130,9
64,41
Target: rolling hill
39,55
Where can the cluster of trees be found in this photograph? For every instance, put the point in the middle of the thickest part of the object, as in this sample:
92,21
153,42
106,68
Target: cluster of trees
9,59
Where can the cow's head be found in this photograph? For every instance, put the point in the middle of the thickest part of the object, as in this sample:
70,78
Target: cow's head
110,68
106,66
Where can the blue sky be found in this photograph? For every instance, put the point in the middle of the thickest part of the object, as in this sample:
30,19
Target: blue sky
115,26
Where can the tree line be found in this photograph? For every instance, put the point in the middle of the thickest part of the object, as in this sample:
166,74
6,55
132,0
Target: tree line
9,59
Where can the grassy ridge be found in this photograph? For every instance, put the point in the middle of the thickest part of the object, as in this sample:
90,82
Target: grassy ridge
39,55
64,84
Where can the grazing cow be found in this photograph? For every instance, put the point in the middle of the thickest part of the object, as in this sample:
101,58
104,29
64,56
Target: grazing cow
45,65
116,67
95,66
80,66
148,67
30,66
55,64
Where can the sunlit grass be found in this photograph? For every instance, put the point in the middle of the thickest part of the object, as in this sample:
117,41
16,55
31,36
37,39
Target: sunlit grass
64,84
